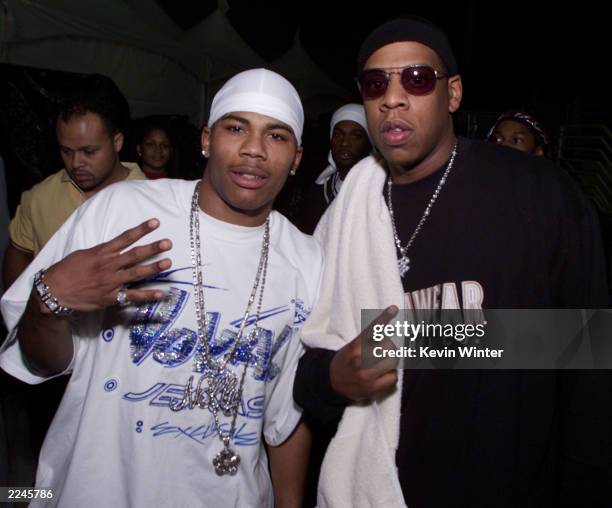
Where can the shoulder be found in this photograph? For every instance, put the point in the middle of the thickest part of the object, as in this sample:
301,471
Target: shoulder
140,196
513,167
519,166
534,182
302,249
135,173
49,184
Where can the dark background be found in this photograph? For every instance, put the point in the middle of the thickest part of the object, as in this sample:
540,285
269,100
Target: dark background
539,56
510,54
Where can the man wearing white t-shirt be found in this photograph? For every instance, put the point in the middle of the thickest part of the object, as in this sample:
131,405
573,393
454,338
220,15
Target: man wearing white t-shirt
182,345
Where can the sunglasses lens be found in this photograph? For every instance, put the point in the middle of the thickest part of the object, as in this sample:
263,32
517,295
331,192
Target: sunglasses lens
418,80
373,83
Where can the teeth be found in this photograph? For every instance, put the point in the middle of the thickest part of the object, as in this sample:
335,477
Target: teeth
249,176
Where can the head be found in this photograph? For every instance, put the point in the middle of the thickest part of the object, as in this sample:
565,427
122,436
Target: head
349,138
253,142
89,132
409,81
521,131
155,148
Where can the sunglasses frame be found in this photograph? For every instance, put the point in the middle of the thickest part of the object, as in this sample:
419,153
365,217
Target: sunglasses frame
390,71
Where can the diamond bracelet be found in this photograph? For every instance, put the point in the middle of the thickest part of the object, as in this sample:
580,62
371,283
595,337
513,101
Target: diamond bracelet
47,298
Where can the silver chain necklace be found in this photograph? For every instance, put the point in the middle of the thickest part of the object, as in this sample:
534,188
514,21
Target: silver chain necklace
218,388
403,262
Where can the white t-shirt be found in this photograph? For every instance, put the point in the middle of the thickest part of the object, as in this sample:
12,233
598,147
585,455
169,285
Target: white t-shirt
114,441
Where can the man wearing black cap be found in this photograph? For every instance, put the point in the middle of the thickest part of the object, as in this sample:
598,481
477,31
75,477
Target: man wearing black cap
447,223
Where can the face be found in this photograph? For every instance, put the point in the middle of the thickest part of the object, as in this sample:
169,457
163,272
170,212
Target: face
349,144
250,157
409,129
516,135
155,149
89,151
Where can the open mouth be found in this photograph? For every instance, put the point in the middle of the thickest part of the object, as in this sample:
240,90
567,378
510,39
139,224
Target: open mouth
345,156
248,179
395,132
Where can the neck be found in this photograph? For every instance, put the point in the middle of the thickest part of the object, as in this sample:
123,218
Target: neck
418,170
214,205
343,172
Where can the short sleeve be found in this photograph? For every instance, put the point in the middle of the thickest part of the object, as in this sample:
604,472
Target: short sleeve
72,236
282,414
21,231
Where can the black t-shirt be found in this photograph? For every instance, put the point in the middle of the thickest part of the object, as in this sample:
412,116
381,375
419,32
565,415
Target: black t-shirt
508,230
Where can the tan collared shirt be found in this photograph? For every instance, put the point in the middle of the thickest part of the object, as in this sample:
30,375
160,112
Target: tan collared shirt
47,205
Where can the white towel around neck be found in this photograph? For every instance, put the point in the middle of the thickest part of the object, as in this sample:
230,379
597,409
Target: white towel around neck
360,272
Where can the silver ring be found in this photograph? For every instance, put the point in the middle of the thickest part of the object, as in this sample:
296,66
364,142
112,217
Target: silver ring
122,299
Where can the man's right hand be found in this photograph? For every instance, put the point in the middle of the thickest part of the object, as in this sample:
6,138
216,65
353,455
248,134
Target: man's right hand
350,379
90,279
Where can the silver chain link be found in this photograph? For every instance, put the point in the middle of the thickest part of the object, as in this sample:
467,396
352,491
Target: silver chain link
403,261
220,393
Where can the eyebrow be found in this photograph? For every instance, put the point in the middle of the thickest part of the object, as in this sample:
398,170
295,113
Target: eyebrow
398,67
269,126
79,148
523,130
350,129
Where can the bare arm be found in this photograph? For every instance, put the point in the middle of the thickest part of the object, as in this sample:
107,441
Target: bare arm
86,280
15,262
288,465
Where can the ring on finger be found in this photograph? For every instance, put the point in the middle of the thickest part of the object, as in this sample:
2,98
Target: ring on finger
122,299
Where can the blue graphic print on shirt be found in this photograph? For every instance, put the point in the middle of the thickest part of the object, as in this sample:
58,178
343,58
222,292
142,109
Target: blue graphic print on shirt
153,335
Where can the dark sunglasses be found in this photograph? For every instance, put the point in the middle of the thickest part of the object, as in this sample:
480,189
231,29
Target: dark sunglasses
416,80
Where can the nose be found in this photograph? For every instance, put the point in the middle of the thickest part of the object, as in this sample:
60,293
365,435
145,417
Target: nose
78,159
395,96
254,146
345,140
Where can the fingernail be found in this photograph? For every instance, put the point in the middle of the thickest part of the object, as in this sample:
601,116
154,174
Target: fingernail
153,223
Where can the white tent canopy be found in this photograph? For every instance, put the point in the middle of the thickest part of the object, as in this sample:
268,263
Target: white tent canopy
156,17
159,68
106,38
297,66
216,35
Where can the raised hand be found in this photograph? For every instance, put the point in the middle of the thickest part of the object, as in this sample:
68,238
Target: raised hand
90,279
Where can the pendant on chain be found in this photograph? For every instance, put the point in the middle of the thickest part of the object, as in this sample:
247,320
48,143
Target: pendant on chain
403,264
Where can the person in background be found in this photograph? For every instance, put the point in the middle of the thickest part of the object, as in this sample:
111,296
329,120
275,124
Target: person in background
349,143
521,131
155,152
90,133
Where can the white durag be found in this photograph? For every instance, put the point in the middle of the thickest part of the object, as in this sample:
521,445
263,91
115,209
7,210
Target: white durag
353,112
260,91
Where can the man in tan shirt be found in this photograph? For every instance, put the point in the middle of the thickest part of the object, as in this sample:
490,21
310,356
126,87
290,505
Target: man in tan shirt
89,133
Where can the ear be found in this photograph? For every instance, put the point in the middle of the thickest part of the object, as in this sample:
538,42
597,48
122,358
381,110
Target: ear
539,151
296,160
205,139
118,141
139,150
455,93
